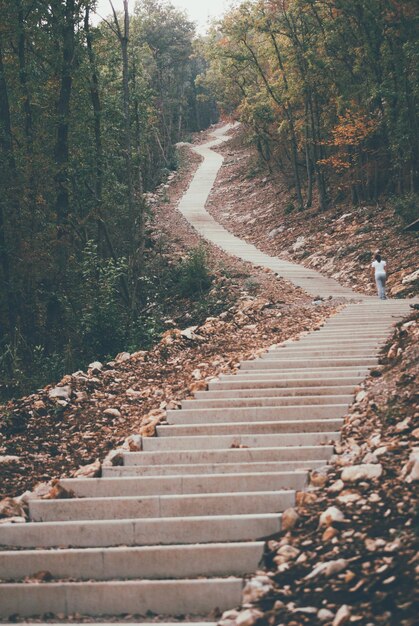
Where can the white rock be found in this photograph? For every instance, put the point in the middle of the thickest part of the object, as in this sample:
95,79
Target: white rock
112,413
411,470
300,243
342,616
330,516
324,615
336,487
255,590
360,396
368,471
96,367
132,393
328,569
410,278
248,617
7,459
288,553
122,357
60,393
189,333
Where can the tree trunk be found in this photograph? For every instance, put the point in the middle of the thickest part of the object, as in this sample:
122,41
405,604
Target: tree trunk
8,183
97,125
62,202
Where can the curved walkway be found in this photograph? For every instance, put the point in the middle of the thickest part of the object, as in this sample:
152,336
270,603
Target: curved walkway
179,527
192,206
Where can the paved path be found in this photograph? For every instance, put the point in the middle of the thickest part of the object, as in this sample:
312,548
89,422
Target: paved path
177,527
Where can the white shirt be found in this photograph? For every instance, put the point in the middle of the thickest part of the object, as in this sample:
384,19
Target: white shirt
379,266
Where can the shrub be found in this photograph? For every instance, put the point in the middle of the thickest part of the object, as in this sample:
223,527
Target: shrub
407,207
193,274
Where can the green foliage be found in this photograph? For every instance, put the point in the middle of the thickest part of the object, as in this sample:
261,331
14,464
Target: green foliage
193,275
407,207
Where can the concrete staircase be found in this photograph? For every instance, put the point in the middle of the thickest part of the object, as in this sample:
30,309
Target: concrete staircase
176,529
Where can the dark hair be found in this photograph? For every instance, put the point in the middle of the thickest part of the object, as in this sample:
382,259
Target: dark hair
378,257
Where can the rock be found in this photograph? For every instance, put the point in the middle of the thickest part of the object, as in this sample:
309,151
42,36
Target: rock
403,426
112,413
331,516
355,473
318,478
410,278
197,374
132,393
58,492
11,508
114,458
254,590
330,533
39,407
305,498
133,443
289,519
410,471
122,357
286,553
60,393
248,617
93,470
336,487
306,610
276,231
324,615
189,333
370,457
95,368
415,433
328,569
342,616
348,497
361,395
392,353
9,459
300,243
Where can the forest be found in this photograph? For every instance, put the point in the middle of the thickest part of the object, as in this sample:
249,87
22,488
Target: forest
327,91
89,117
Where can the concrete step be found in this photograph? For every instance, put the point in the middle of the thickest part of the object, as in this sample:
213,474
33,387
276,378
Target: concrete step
211,402
208,468
287,363
287,394
222,442
323,373
322,352
191,484
161,506
152,562
141,532
253,427
231,455
254,414
136,597
233,383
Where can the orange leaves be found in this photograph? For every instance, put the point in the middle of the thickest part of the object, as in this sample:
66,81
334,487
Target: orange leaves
352,129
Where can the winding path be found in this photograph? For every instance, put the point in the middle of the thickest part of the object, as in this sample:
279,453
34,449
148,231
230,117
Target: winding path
178,528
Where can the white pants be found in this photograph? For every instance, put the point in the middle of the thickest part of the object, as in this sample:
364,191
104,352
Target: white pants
380,281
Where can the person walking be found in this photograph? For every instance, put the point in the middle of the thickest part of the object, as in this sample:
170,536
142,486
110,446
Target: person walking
380,274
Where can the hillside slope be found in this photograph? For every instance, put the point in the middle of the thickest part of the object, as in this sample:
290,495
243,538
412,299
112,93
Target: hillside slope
339,242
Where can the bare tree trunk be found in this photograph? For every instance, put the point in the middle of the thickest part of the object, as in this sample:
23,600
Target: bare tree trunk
8,174
62,202
97,125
